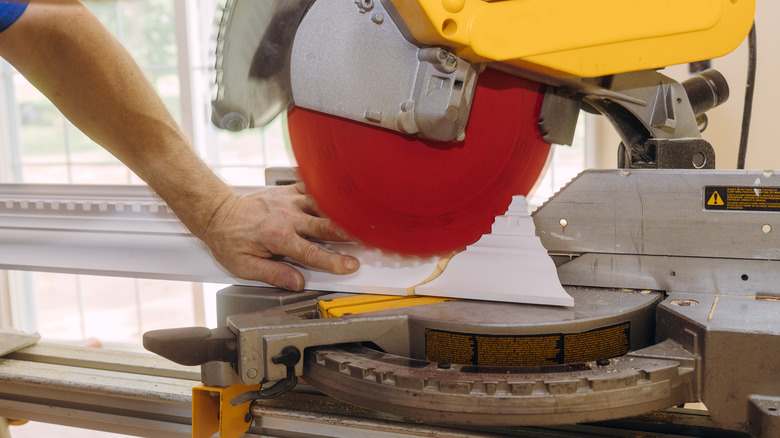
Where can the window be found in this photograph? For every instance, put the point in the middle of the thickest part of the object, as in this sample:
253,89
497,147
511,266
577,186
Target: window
170,39
172,42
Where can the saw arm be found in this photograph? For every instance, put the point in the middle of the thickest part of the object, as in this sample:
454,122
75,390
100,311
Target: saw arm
409,144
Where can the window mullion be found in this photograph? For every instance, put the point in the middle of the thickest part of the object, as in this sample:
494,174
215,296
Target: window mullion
192,112
10,121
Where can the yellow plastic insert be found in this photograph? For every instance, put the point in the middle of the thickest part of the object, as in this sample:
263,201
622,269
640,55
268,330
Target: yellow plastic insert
354,304
581,38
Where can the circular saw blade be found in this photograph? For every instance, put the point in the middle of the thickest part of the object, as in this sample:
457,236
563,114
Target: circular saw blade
412,196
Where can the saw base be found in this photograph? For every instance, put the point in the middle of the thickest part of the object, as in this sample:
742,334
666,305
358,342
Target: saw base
433,361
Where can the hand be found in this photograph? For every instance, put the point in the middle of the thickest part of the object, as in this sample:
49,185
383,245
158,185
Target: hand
247,231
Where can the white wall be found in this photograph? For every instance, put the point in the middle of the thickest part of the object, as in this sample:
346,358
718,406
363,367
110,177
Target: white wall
725,122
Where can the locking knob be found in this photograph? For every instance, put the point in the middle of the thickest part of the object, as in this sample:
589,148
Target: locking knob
193,345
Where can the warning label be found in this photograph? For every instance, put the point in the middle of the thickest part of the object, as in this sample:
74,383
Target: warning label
715,199
742,198
531,350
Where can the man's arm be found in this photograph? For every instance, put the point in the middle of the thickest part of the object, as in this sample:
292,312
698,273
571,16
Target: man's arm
71,58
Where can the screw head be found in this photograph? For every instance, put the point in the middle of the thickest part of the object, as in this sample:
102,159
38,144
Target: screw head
234,122
364,5
451,61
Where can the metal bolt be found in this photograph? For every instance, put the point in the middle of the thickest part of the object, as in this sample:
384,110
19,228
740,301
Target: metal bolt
444,365
451,61
377,17
698,160
233,122
251,373
602,362
364,5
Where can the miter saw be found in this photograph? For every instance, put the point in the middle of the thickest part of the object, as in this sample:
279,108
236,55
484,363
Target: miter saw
414,122
448,95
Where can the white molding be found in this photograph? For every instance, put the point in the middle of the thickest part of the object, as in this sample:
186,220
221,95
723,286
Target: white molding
120,231
125,231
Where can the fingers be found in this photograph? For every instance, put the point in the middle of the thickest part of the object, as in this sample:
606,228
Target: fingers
273,223
321,229
306,202
316,257
299,187
282,275
274,273
314,223
308,205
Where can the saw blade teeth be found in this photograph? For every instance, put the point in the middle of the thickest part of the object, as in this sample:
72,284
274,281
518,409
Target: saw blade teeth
221,22
397,259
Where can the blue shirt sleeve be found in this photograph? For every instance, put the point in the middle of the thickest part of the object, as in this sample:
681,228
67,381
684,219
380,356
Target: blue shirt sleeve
10,11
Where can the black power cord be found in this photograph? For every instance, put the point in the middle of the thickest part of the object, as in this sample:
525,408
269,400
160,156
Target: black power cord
749,86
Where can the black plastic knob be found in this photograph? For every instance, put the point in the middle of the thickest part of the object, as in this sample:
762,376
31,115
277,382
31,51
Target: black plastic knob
193,345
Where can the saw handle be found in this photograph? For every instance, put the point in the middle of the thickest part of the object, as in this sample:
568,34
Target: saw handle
193,345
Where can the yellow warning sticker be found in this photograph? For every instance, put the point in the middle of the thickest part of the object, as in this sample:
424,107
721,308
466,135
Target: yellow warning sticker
742,198
715,199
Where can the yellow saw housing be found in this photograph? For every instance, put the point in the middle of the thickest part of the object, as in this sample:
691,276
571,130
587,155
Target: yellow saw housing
581,38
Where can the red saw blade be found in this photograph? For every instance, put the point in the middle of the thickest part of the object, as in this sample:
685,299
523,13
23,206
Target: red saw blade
420,197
